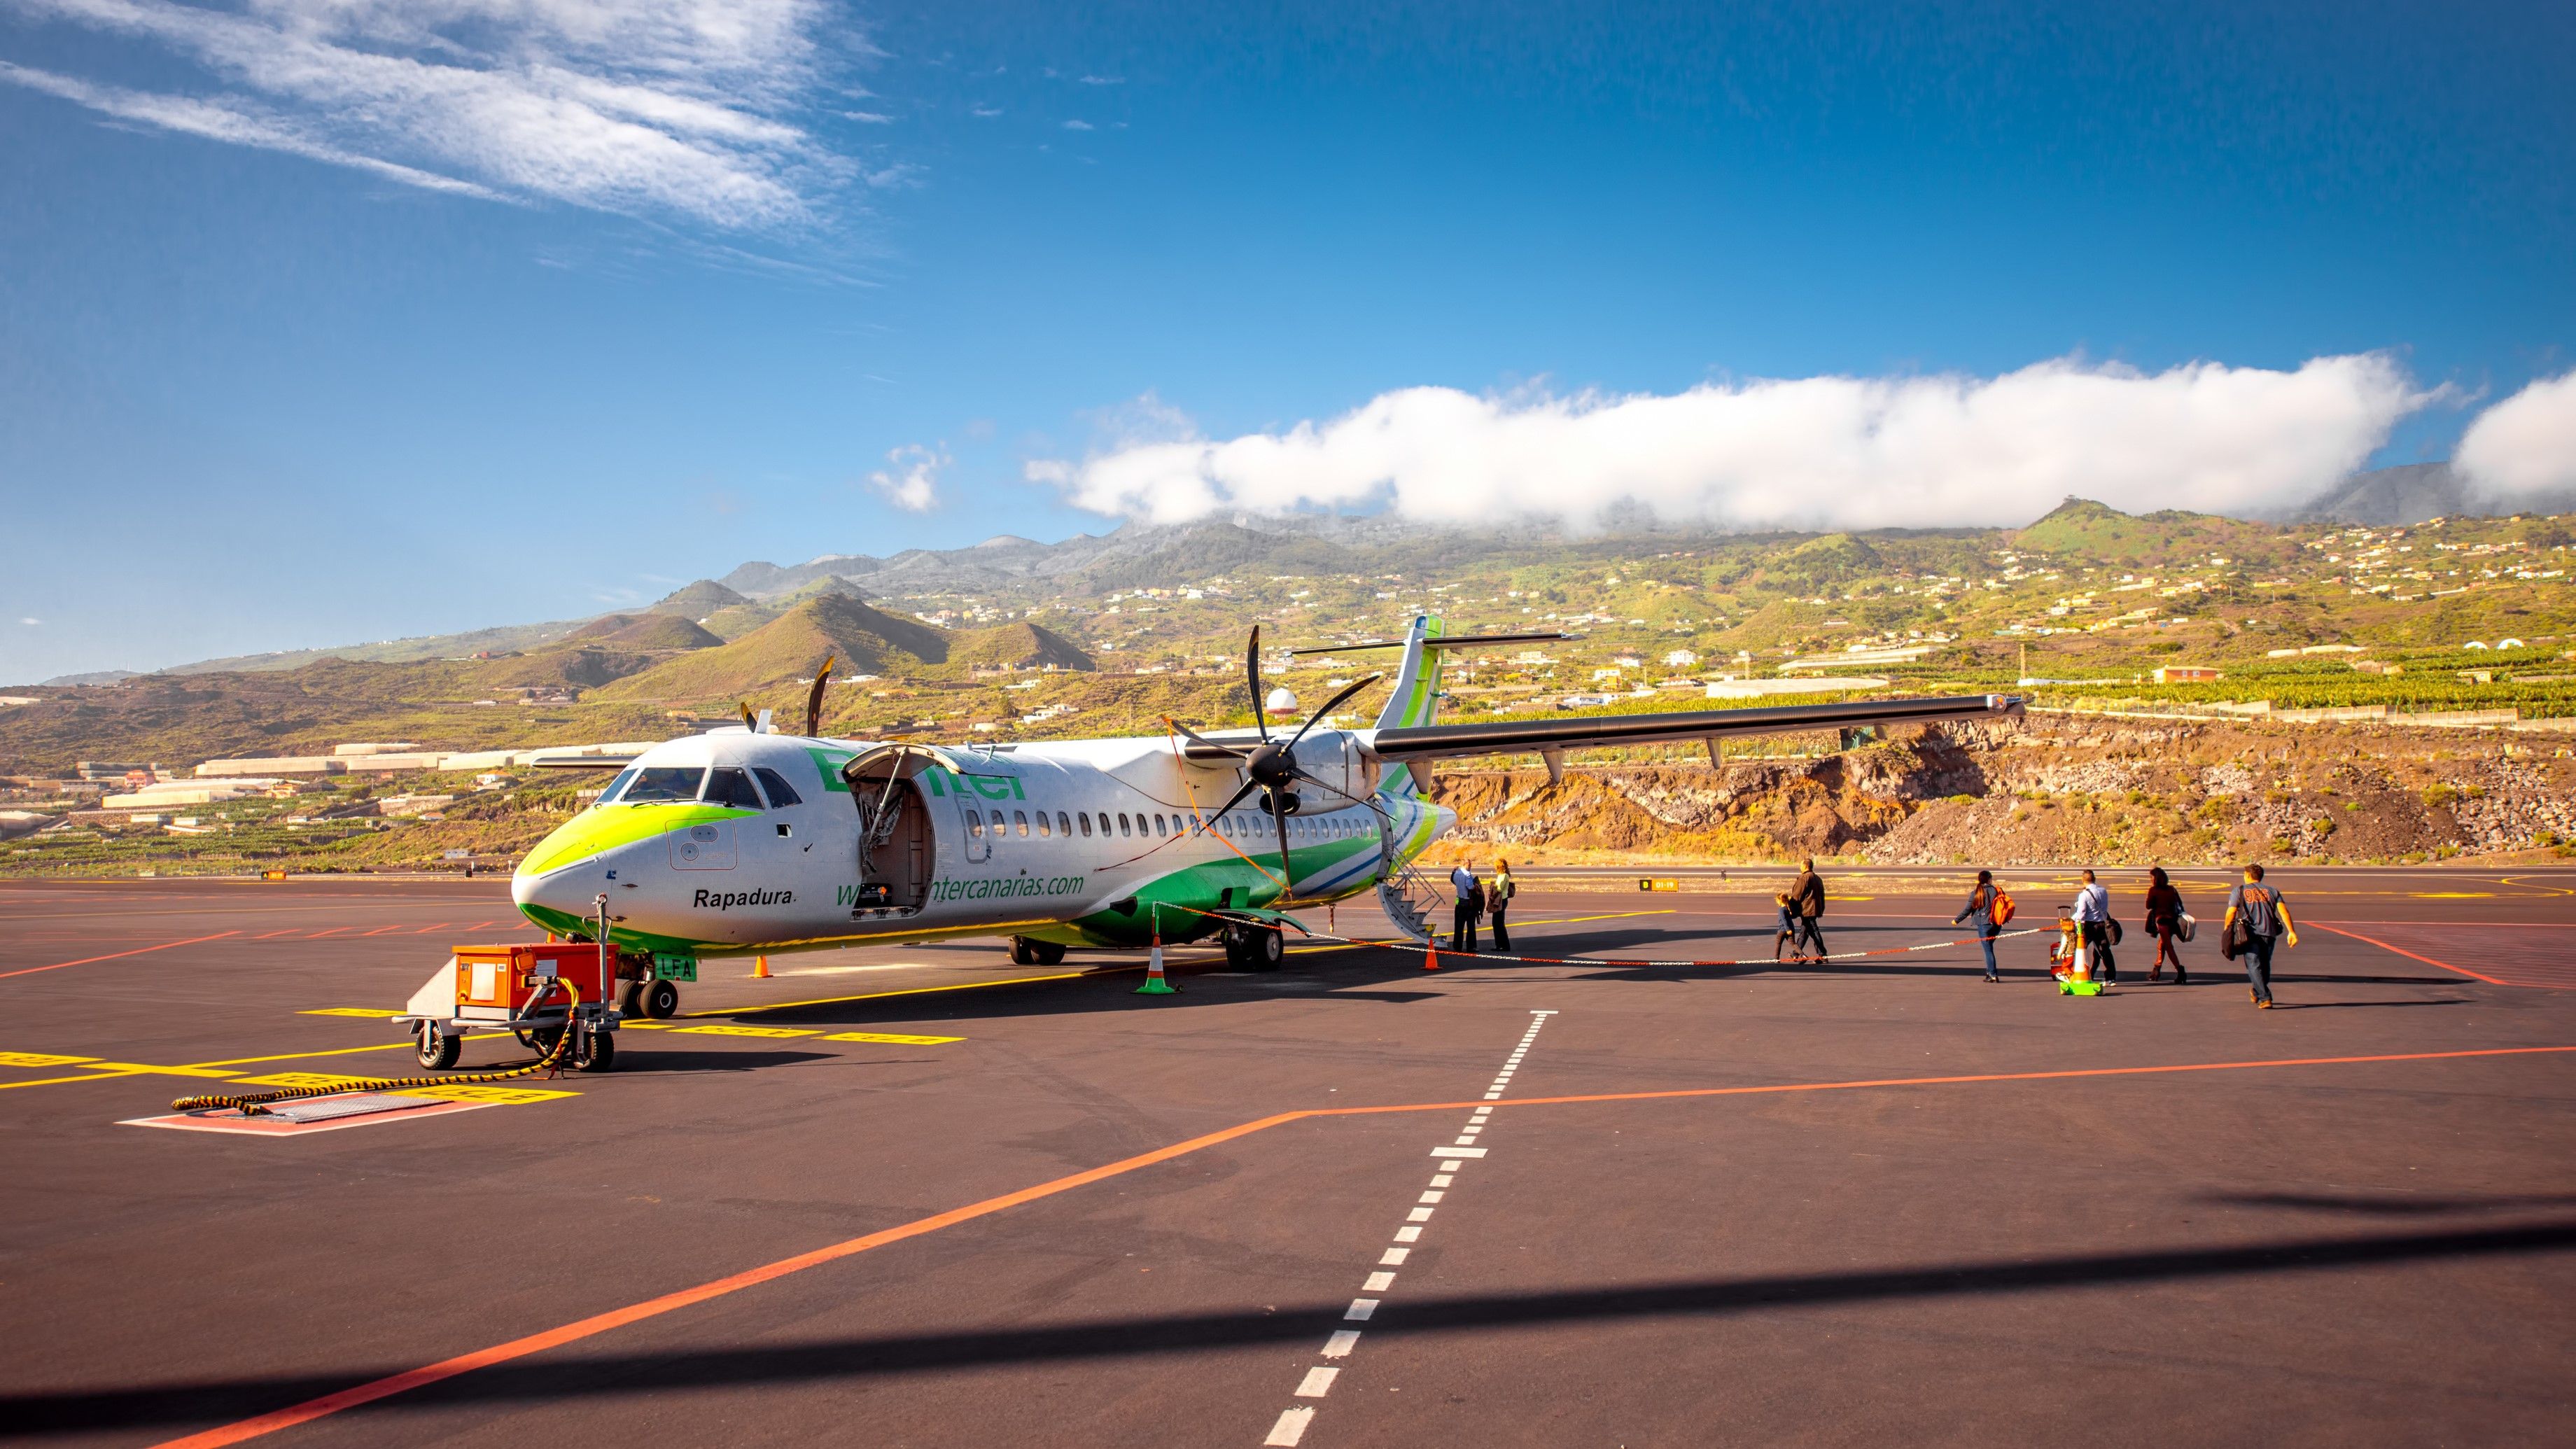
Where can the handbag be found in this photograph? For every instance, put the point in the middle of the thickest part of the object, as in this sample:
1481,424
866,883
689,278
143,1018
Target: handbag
2184,925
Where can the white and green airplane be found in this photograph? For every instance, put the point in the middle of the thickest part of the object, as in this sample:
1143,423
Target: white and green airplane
743,840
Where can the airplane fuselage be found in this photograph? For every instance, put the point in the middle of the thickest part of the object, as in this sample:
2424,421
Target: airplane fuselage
733,842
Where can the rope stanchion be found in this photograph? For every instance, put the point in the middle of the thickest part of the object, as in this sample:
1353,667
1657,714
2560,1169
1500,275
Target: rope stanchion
257,1106
1431,950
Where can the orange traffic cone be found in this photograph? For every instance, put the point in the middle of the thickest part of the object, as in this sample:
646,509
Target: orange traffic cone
1431,954
1155,984
759,968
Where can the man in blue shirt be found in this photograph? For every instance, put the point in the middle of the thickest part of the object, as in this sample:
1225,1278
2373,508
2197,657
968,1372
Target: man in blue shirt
2093,918
2265,920
1462,916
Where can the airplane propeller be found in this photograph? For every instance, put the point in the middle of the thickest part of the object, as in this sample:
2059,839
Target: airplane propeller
814,698
1272,764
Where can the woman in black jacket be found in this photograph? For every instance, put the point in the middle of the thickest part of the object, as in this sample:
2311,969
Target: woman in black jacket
2164,920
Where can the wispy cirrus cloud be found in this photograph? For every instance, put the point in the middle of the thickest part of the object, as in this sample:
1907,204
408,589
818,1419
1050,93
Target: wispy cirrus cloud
1837,452
694,109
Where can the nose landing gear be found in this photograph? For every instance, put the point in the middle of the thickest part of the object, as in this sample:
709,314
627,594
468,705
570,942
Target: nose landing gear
1027,952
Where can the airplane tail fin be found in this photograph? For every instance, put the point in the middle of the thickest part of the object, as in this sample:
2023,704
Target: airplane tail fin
1416,698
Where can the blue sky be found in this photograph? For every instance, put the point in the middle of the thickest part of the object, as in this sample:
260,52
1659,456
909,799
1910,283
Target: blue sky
497,312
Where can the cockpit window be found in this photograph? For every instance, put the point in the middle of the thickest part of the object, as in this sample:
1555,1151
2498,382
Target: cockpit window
781,794
624,778
732,788
664,782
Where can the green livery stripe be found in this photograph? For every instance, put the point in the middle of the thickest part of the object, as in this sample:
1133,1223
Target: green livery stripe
606,827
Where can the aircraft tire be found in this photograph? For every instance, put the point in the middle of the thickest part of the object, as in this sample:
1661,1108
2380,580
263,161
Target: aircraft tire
661,999
1269,949
1027,952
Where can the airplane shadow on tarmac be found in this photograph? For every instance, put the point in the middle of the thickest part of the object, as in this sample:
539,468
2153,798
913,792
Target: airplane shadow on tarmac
558,1378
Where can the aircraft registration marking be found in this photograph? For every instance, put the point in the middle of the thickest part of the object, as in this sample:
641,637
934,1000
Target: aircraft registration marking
771,1031
892,1038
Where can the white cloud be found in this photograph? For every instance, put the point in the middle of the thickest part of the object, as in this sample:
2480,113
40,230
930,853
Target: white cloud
31,623
1103,80
1806,452
1077,125
2526,444
913,485
685,107
987,112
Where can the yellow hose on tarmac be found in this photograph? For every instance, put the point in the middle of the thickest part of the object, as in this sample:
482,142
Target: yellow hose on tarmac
258,1106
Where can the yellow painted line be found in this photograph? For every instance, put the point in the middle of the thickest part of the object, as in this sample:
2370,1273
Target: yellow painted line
406,1044
133,1069
2443,895
298,1079
39,1059
907,991
892,1038
490,1096
57,1081
1576,920
764,1031
370,1012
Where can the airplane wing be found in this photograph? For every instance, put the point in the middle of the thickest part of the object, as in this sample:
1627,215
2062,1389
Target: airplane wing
1552,737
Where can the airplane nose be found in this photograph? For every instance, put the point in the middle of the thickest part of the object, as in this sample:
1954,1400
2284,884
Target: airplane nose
561,900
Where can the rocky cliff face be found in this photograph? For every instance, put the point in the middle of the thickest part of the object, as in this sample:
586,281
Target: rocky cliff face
2065,788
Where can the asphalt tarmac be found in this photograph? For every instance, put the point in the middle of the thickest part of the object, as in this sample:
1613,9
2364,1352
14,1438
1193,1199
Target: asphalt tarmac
1866,1202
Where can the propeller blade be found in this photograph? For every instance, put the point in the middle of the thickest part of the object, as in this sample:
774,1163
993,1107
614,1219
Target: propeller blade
1202,739
1279,817
1209,825
748,722
1329,706
814,698
1252,673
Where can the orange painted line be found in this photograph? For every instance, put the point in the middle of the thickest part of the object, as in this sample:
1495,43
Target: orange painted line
318,935
380,930
113,955
2411,956
265,935
368,1393
425,930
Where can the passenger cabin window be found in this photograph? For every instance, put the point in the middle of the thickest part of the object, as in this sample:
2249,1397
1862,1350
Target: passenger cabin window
731,788
1020,822
1063,824
1086,825
1044,830
781,794
998,827
664,782
974,824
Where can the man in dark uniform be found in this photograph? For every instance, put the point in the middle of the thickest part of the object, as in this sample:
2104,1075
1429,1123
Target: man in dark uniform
1808,896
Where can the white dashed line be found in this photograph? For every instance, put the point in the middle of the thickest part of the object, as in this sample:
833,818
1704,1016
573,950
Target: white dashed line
1292,1423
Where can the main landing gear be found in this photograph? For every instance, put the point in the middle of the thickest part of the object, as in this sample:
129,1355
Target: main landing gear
1028,952
656,999
1253,948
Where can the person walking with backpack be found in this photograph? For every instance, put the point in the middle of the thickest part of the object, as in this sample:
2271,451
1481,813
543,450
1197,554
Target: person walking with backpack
1498,899
1808,895
2164,922
1986,910
2257,919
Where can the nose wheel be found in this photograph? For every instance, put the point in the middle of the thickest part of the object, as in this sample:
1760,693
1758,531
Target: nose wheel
1254,948
656,1000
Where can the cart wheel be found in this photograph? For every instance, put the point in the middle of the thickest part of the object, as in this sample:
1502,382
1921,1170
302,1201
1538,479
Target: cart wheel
541,1040
595,1052
661,999
438,1050
632,1003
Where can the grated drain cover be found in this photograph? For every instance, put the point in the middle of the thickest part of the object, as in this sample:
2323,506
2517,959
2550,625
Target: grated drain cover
359,1104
